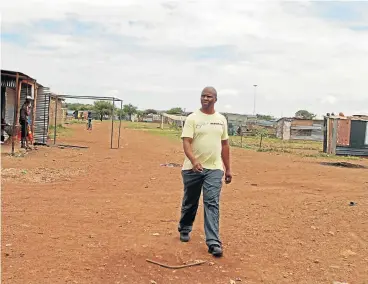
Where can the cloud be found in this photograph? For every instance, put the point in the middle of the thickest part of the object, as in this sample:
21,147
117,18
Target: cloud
228,93
160,54
340,10
329,100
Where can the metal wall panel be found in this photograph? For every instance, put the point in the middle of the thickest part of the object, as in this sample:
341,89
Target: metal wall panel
343,132
357,134
286,130
347,151
10,105
42,116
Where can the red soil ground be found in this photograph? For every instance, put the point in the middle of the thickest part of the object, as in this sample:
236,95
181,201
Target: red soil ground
95,215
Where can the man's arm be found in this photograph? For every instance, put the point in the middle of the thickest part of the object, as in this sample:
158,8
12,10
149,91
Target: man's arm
225,154
188,150
187,136
187,145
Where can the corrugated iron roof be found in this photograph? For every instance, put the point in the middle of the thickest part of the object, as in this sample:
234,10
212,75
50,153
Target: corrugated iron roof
4,73
174,117
354,117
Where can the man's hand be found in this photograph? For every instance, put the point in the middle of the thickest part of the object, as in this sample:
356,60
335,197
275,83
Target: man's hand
228,177
197,167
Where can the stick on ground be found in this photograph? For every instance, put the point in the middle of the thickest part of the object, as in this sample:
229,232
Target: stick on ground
176,266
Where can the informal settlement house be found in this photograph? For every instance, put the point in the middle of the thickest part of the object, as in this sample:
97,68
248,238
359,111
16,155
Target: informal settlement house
346,135
292,128
16,87
235,120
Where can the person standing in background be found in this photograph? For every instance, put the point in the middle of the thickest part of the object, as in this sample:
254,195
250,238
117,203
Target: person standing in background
89,123
23,120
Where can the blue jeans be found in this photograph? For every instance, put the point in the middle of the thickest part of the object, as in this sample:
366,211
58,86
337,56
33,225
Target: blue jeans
211,182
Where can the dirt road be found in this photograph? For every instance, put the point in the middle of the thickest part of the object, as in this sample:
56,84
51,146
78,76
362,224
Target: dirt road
95,215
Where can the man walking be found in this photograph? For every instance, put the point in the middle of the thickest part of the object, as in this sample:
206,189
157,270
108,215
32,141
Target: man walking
207,150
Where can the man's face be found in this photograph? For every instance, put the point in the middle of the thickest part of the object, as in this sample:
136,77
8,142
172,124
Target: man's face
208,99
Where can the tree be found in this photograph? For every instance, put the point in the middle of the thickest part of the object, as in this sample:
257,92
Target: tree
304,114
130,110
175,110
103,108
265,117
150,110
120,113
86,107
139,114
77,106
74,106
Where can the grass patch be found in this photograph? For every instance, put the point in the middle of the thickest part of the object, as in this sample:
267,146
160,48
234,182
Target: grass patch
61,131
172,134
310,149
334,157
154,128
75,121
141,125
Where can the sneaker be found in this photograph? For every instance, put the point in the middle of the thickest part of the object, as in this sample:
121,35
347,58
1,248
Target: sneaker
184,237
215,250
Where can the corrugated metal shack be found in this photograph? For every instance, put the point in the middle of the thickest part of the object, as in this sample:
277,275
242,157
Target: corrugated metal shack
174,120
292,128
60,111
346,136
151,117
235,120
16,87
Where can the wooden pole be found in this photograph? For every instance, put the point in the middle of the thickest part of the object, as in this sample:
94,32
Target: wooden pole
112,120
121,108
260,142
16,111
34,110
162,122
334,137
55,121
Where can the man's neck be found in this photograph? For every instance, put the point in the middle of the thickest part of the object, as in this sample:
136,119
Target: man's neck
208,111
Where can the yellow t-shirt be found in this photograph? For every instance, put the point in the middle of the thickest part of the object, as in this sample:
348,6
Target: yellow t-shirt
207,132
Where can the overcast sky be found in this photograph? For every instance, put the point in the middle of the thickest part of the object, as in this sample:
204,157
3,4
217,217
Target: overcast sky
160,54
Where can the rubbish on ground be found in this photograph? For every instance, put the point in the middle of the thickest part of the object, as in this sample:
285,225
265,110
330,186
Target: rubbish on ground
344,165
198,262
171,165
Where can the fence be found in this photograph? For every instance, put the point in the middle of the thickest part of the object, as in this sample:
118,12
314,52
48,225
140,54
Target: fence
264,143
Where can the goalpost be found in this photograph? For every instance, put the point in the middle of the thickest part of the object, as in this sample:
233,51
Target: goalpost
111,99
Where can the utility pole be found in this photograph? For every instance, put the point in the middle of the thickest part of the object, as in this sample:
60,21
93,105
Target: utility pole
181,118
254,100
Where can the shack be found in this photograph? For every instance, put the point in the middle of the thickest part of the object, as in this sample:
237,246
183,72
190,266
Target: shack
173,120
236,121
346,136
151,117
293,128
16,87
56,109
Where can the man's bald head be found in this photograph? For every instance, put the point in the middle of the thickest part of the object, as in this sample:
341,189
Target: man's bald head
210,90
208,100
